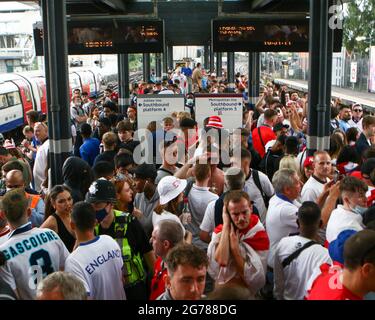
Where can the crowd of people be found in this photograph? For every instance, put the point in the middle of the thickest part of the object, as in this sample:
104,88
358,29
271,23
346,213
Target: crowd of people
214,215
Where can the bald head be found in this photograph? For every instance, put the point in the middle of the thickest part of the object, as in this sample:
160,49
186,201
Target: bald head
14,179
40,131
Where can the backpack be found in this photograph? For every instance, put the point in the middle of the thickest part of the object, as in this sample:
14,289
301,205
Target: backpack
266,198
270,163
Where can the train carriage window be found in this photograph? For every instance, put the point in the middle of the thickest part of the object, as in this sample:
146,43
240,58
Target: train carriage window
14,98
27,95
3,101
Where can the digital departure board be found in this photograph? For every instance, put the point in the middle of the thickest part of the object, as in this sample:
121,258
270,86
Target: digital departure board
270,35
112,36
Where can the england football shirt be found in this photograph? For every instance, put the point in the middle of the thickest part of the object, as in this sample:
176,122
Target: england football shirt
98,263
31,254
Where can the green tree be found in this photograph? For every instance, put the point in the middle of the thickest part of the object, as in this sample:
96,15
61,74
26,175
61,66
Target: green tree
135,62
359,21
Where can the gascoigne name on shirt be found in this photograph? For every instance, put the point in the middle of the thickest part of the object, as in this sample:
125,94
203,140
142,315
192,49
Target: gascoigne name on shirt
29,244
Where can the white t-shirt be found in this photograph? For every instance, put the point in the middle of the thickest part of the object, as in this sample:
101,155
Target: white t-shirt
260,121
166,92
182,80
165,215
40,165
199,198
208,222
269,145
4,235
252,190
31,254
340,220
290,282
301,159
281,221
98,263
311,190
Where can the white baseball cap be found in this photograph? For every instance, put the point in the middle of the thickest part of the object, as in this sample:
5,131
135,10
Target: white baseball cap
169,188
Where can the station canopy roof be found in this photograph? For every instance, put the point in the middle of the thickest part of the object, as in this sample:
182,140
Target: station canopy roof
187,22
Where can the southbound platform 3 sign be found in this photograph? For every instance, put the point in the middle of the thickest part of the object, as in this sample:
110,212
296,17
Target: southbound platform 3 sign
155,107
266,34
227,106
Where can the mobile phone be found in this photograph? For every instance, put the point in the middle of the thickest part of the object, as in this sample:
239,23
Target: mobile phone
230,218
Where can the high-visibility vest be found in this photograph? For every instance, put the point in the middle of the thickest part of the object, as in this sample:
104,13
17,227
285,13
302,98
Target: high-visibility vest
34,200
133,269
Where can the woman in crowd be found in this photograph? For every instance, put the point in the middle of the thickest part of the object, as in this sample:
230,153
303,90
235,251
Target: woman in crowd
77,175
337,142
289,162
59,204
352,135
93,119
124,194
171,194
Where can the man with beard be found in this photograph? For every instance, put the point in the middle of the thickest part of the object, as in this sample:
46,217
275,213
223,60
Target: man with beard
345,115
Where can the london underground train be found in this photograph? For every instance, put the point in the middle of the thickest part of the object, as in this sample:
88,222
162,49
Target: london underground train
21,92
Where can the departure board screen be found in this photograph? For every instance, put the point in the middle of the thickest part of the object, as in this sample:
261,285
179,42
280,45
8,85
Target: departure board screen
264,36
114,36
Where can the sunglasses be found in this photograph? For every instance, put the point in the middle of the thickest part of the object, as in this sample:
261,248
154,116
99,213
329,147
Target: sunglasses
357,110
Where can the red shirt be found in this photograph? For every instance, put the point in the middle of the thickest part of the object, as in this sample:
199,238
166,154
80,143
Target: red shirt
267,134
114,96
157,282
328,286
356,174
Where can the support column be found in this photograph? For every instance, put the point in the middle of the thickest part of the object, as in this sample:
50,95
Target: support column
170,57
123,82
158,66
146,67
219,65
254,78
330,41
320,51
230,71
212,59
165,61
56,67
206,55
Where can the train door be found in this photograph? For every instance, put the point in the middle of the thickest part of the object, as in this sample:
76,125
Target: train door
11,110
94,86
25,96
98,82
41,87
85,81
